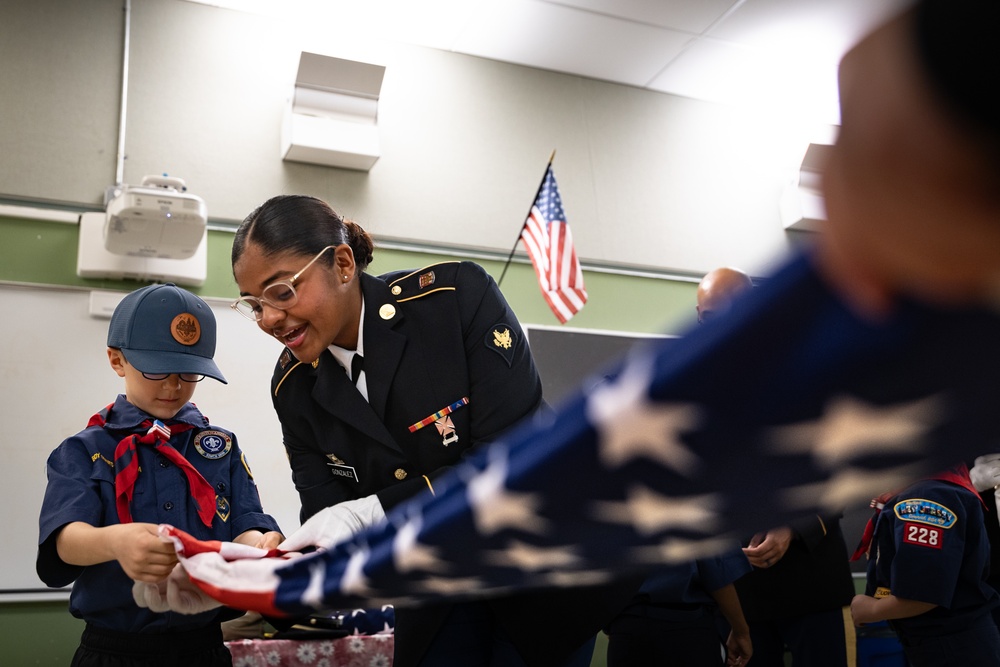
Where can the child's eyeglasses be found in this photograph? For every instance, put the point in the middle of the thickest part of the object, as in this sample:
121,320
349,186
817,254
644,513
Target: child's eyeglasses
160,377
186,377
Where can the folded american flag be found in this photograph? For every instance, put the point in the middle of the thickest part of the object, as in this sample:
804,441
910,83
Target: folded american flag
788,405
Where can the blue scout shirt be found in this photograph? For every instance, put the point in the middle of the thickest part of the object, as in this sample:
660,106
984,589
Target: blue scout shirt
684,591
930,545
81,487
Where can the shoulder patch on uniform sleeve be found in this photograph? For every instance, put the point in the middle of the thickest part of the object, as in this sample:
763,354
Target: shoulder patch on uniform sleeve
502,339
920,510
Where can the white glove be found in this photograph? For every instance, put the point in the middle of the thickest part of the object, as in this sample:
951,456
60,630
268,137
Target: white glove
335,524
175,593
985,472
186,598
151,596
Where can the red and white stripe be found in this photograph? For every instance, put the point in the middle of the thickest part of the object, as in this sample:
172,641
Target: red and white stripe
550,247
237,575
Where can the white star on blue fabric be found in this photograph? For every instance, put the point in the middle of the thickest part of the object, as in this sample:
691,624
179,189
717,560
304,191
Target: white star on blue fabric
631,426
573,578
494,507
531,557
450,585
409,554
312,596
850,427
651,512
676,550
850,485
354,581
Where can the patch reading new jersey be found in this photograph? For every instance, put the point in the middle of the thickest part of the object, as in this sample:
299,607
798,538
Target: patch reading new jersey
501,339
185,329
213,444
925,511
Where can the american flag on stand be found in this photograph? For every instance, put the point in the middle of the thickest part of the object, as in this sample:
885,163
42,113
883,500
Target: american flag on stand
789,405
549,243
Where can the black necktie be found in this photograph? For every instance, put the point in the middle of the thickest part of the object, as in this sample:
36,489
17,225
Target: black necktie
357,365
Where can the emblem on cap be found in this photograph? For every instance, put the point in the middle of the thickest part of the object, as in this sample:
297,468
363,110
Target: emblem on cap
186,329
213,444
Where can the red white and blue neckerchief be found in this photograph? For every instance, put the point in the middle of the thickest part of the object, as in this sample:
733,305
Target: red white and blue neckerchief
127,465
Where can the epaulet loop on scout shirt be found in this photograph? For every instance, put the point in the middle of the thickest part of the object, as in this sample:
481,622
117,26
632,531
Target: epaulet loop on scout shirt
433,278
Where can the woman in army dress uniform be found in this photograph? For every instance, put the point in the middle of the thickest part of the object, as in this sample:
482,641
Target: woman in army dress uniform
383,383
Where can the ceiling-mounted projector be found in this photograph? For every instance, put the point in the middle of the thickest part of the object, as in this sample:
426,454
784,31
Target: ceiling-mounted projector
157,219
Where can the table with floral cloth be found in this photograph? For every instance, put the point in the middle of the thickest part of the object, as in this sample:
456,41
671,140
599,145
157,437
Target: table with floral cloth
350,651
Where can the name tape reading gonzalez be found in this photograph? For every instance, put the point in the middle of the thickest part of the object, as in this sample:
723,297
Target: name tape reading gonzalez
440,413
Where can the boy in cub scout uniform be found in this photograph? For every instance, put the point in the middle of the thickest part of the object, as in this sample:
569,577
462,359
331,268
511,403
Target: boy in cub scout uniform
927,574
150,457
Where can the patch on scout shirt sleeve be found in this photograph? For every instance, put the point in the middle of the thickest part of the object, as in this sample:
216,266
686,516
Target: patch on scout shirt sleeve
502,340
924,521
213,444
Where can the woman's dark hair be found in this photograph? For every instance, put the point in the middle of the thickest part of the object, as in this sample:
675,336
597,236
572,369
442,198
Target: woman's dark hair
303,225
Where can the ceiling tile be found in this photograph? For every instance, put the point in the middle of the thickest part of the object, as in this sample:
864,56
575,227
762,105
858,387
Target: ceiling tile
709,69
564,39
824,26
729,73
683,15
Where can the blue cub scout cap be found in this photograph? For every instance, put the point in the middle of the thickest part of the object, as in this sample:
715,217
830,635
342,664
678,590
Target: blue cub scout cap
165,329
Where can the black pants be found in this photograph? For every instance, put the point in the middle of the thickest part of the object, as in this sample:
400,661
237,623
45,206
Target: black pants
976,645
471,637
819,639
641,641
195,648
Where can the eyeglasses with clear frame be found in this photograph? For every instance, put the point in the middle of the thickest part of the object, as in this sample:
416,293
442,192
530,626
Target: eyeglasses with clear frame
280,294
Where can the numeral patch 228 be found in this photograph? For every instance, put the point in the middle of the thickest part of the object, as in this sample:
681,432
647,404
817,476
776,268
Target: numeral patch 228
924,536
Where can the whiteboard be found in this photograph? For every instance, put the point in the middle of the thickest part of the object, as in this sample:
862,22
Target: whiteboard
55,374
